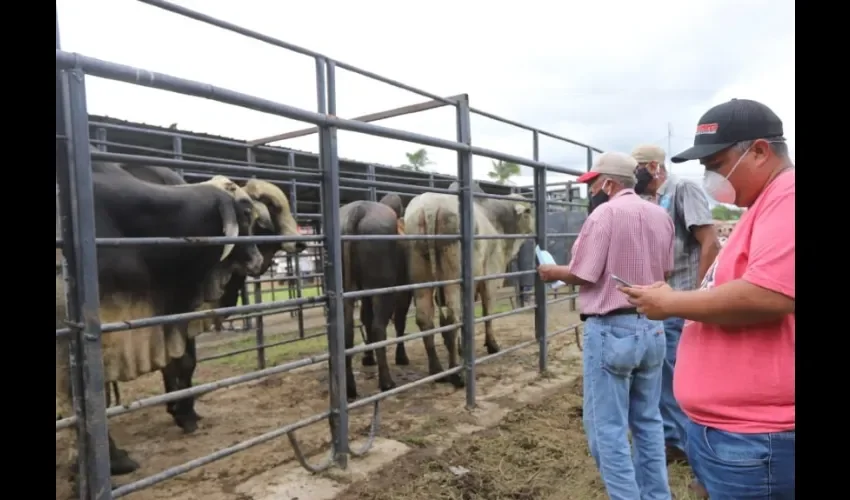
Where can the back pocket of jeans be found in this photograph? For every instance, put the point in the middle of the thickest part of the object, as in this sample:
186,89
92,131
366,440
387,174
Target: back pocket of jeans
656,347
621,355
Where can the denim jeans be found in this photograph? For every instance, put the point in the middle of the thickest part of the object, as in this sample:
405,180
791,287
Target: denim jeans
673,416
735,466
622,387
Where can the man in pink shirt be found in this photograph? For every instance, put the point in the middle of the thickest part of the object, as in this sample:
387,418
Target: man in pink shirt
735,371
631,238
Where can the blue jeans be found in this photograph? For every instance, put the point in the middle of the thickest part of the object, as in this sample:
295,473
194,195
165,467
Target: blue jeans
622,387
734,466
673,416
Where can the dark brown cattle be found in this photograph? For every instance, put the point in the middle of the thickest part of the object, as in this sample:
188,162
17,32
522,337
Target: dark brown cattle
369,265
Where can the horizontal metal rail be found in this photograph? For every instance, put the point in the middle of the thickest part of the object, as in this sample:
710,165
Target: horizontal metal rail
152,79
204,18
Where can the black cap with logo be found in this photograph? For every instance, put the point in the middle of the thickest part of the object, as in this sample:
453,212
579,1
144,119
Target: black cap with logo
729,123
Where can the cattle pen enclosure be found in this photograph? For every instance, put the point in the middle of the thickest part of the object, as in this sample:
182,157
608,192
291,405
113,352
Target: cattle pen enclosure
275,366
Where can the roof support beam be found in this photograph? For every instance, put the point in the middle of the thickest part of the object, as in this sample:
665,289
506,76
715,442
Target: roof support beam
382,115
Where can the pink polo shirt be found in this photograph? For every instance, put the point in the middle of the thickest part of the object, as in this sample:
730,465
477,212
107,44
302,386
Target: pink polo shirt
741,379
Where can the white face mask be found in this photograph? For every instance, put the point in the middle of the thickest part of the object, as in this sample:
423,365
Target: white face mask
718,186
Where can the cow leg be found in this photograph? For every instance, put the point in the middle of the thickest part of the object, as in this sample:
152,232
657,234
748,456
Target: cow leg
177,375
120,462
348,322
381,311
489,338
366,322
423,299
402,304
452,302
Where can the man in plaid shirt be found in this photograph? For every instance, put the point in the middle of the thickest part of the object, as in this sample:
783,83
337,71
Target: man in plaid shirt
696,246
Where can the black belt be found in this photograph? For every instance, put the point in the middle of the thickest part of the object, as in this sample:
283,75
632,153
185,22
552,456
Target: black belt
615,312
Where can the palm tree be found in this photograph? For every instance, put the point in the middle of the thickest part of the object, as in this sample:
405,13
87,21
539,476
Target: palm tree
502,171
417,160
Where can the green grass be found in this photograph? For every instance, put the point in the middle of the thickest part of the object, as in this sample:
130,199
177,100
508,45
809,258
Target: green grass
281,293
288,352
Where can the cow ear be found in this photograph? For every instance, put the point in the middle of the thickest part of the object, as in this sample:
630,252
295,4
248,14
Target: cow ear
230,226
521,208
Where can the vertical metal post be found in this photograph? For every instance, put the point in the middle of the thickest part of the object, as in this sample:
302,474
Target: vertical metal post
74,175
467,247
333,263
100,135
261,351
430,179
177,149
539,286
589,162
370,176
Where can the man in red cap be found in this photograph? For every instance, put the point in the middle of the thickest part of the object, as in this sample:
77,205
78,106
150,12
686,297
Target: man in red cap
631,238
735,373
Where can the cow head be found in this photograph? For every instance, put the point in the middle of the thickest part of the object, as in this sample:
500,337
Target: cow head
277,205
524,215
249,214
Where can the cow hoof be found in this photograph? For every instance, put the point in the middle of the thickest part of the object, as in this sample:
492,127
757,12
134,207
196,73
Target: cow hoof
386,387
352,396
368,361
402,361
492,348
122,464
189,426
457,380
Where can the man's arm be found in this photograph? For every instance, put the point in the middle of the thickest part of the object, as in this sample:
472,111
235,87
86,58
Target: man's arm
590,252
697,217
766,291
709,247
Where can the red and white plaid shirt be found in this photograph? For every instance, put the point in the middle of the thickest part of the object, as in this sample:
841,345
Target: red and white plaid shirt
628,237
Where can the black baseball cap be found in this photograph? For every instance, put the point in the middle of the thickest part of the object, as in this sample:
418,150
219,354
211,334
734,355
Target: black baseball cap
729,123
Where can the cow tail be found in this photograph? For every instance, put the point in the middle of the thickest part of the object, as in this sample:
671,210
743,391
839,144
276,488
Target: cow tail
432,222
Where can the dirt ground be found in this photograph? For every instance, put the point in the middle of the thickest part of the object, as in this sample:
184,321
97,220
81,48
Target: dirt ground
537,452
248,410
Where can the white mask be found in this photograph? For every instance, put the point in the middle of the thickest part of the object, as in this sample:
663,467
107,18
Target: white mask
718,186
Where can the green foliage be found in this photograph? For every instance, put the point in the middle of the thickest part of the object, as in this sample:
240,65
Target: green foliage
502,171
417,160
722,212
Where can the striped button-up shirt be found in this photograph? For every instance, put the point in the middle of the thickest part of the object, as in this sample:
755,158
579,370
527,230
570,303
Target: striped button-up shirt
628,237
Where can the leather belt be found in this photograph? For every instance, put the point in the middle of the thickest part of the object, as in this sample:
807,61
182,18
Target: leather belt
616,312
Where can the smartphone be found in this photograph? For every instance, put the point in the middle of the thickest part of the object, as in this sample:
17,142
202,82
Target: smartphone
621,281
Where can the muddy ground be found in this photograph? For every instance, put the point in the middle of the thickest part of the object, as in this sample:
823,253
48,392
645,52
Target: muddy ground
237,413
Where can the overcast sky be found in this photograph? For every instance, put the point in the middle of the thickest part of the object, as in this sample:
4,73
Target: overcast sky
610,73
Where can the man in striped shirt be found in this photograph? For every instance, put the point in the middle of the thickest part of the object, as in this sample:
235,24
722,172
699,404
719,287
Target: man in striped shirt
632,239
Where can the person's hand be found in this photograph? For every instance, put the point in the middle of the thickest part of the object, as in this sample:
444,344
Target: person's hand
548,272
650,300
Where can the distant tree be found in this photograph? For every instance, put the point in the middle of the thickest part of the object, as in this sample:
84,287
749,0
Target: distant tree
417,160
722,212
502,171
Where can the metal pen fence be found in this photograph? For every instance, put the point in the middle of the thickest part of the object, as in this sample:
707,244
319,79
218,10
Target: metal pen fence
79,245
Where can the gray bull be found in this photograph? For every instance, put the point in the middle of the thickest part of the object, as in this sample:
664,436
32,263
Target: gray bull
374,264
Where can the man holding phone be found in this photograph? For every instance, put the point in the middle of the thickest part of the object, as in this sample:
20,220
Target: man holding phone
696,247
632,239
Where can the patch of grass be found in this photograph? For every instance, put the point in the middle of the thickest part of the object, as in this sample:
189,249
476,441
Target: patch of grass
297,348
281,293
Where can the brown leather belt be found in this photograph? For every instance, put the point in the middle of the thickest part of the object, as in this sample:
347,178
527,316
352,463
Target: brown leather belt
615,312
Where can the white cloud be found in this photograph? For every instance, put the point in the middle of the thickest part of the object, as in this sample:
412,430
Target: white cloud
576,70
